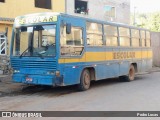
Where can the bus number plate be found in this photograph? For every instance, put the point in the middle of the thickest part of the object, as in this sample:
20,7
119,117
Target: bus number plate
29,79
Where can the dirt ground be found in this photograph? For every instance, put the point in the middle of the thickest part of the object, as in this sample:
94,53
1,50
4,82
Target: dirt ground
10,88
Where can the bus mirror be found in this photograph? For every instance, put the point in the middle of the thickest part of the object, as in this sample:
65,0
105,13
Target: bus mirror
68,28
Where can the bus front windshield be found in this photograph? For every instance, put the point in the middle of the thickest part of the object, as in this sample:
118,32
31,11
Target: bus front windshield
35,41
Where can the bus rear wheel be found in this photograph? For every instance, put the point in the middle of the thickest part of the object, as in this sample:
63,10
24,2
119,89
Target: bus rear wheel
85,80
130,76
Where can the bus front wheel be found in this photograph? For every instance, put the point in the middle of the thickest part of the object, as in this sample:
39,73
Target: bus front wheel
130,76
84,80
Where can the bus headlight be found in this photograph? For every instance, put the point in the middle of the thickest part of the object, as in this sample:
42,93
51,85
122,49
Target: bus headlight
16,71
50,73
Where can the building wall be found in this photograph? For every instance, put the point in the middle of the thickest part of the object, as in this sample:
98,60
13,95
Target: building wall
13,8
96,10
155,42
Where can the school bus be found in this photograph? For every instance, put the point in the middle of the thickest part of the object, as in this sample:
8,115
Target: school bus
59,49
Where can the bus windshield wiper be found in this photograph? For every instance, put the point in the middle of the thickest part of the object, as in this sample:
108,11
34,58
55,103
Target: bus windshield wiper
24,51
35,51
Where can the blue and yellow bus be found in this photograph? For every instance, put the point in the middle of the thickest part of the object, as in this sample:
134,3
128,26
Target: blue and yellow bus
58,49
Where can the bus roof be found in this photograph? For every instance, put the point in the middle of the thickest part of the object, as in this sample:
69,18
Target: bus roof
17,19
105,22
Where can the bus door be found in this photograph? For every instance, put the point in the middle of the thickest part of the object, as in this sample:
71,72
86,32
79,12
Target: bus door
72,50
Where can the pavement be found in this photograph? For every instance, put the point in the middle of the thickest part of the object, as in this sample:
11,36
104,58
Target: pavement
142,94
7,86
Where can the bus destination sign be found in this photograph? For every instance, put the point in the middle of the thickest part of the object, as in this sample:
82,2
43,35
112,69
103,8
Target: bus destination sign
35,19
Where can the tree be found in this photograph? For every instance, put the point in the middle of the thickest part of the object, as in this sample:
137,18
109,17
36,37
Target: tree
149,21
155,22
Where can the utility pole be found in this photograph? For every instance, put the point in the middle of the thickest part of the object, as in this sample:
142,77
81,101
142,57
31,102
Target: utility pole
134,22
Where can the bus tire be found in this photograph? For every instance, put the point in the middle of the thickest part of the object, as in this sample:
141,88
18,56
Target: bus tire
85,80
130,76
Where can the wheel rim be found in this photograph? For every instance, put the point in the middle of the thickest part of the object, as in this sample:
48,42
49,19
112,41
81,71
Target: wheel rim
131,74
86,79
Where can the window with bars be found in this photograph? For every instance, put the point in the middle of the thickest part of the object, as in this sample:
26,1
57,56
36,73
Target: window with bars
143,38
2,1
72,44
124,36
148,39
81,7
94,34
110,11
135,38
47,4
3,45
111,34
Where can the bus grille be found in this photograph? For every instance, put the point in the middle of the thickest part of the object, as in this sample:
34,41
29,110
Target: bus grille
45,65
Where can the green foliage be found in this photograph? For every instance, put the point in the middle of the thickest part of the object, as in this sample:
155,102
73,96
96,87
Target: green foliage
149,21
155,22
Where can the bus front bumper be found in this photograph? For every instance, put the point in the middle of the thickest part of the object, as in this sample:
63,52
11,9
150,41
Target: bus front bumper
38,79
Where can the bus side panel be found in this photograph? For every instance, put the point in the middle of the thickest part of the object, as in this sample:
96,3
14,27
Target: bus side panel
139,65
149,60
71,73
114,69
113,64
124,63
124,67
107,70
138,58
144,59
102,60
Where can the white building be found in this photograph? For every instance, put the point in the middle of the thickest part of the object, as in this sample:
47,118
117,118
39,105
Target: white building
111,10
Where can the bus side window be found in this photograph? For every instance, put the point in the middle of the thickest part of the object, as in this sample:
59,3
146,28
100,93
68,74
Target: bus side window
94,34
124,36
71,44
135,38
111,34
143,38
148,39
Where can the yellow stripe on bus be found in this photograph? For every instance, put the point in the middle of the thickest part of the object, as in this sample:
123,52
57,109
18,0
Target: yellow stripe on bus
106,56
150,54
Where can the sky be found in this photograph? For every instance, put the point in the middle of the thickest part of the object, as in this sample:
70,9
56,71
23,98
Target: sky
145,6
